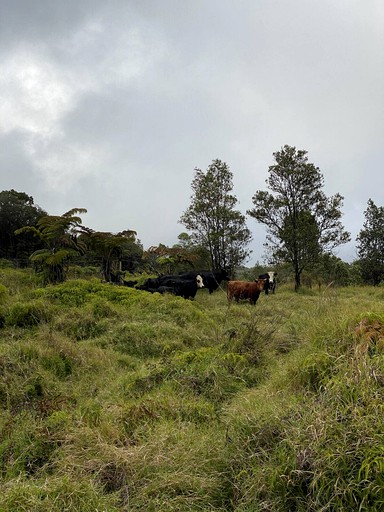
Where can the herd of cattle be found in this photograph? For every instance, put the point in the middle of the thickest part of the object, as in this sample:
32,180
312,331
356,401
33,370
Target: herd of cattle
186,284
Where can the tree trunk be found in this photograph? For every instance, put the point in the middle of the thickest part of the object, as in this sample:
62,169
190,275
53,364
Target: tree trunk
297,279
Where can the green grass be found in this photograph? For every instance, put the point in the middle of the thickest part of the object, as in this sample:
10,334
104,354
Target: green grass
114,399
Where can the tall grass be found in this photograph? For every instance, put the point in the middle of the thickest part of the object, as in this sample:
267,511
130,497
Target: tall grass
115,399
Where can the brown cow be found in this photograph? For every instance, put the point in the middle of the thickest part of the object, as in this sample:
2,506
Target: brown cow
245,290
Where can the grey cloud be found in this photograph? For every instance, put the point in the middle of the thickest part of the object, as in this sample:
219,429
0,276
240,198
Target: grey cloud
150,90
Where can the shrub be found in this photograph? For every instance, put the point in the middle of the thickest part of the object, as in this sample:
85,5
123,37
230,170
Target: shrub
30,313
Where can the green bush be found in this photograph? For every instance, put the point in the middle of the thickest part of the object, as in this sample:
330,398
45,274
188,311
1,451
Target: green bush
29,313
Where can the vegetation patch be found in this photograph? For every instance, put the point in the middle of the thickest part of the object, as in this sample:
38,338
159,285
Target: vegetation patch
29,313
117,399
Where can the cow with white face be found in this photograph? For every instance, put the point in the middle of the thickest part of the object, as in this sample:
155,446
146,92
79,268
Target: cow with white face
272,281
199,281
175,284
271,278
211,278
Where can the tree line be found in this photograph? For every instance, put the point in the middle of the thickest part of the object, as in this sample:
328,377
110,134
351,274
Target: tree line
303,228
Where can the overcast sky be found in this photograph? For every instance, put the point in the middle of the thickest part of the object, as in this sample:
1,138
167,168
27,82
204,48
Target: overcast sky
110,105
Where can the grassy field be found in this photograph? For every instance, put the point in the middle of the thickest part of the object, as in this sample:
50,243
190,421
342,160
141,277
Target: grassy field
113,399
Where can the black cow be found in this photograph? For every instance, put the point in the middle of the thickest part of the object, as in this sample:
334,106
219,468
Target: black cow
130,284
163,289
271,281
151,282
211,278
180,286
183,287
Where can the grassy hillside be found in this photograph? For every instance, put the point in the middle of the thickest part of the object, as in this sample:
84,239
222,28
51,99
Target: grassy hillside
112,399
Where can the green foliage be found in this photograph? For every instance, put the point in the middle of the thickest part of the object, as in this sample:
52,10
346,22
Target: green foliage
370,244
29,313
171,260
302,223
82,272
111,250
18,280
58,234
213,220
17,209
332,270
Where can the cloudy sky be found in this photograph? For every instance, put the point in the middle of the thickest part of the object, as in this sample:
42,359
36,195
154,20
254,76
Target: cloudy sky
110,105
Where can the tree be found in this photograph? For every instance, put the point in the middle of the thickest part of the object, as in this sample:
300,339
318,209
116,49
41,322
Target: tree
370,244
112,250
331,270
199,255
17,209
213,220
302,223
59,234
169,260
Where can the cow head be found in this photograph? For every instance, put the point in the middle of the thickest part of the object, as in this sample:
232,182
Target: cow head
262,284
199,281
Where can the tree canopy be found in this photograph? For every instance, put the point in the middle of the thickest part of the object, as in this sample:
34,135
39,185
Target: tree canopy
370,244
214,222
17,209
112,250
302,222
59,235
